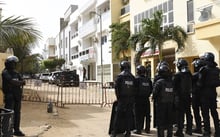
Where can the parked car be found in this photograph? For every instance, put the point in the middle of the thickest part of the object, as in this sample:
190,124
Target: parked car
68,78
44,77
53,76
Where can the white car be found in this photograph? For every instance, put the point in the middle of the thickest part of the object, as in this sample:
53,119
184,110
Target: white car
44,77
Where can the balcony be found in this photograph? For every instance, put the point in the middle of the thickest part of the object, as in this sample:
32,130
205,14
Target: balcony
208,21
88,28
87,55
212,26
125,10
125,13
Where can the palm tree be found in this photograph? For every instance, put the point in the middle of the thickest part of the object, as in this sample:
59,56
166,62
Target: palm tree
18,31
20,35
153,33
120,35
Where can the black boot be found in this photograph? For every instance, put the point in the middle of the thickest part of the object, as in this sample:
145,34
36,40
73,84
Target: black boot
179,133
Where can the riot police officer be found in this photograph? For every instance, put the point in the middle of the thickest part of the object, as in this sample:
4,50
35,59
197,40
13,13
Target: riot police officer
125,94
12,89
156,77
196,103
142,103
163,96
183,87
209,80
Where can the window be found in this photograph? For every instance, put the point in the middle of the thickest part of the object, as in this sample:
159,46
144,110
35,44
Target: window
170,15
104,39
190,14
166,7
170,5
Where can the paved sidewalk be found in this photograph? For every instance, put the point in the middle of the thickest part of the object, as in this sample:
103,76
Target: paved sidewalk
71,121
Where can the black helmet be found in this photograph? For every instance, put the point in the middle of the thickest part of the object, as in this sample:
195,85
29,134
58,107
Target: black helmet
198,63
209,57
161,63
181,63
10,61
163,70
140,70
124,65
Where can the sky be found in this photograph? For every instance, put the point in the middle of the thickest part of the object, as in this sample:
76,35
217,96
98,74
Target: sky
45,13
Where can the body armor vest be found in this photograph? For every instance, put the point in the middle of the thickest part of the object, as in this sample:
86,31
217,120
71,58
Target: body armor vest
167,92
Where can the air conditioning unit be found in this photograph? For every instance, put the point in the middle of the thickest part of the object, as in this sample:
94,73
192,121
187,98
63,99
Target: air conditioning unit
206,13
95,39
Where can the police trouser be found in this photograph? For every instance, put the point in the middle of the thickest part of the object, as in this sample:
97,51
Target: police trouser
184,109
143,115
210,103
196,105
14,104
124,111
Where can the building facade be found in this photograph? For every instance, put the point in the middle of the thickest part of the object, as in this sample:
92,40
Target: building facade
84,40
200,20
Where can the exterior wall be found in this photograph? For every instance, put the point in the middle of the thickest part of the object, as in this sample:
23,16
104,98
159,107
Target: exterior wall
115,8
51,48
194,46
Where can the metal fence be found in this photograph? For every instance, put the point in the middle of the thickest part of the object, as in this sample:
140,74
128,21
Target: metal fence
86,93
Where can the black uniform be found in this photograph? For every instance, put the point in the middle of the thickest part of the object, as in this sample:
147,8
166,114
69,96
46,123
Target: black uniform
12,88
209,80
142,103
183,88
163,95
125,93
196,103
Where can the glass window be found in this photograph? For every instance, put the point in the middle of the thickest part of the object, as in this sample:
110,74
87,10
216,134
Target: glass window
170,15
142,16
135,28
160,7
165,19
190,14
165,7
139,18
170,5
155,9
146,14
151,13
135,19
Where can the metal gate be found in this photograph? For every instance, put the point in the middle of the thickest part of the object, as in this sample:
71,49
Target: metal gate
85,93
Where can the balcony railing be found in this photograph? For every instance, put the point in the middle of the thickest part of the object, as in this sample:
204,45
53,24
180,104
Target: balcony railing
87,55
125,9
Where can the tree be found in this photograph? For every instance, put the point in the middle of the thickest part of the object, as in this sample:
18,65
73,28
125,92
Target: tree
30,64
153,33
120,35
18,31
20,35
52,64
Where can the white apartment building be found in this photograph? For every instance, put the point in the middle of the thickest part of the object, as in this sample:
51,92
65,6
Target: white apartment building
85,43
50,48
79,39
